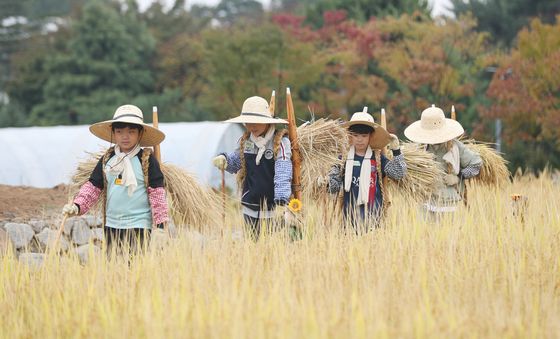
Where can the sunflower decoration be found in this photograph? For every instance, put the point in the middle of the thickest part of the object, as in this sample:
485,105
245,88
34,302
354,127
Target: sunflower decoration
295,205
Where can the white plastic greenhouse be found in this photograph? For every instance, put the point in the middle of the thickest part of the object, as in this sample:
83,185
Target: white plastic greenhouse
47,156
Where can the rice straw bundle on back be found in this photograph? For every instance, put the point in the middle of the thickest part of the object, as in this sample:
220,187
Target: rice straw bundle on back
423,173
494,171
321,143
189,203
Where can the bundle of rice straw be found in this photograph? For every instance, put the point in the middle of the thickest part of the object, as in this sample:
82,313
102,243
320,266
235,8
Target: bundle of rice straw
494,171
321,143
189,203
423,173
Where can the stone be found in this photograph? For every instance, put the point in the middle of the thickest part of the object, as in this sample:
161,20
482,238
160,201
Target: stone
98,236
19,234
81,233
73,222
34,260
4,242
93,221
84,252
38,225
47,238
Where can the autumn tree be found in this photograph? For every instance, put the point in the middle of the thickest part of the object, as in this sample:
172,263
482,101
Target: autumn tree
526,96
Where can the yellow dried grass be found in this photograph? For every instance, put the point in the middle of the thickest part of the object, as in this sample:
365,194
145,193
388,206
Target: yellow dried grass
423,173
321,143
494,171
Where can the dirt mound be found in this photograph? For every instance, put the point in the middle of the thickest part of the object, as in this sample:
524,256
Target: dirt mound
28,202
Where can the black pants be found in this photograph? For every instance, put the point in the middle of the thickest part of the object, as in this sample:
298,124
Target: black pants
253,226
134,239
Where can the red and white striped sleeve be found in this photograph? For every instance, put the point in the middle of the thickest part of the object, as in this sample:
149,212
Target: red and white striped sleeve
87,197
158,203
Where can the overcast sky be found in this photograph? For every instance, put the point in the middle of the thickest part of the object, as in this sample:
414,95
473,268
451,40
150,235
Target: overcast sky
438,5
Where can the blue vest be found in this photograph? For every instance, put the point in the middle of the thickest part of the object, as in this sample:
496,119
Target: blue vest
258,186
123,211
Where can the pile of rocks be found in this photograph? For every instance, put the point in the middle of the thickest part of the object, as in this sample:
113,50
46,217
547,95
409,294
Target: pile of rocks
31,239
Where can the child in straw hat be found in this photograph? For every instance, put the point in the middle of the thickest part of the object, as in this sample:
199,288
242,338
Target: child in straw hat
263,164
364,167
128,178
457,161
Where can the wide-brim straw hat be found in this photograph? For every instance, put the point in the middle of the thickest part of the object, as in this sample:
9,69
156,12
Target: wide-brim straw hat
433,128
255,110
133,115
380,137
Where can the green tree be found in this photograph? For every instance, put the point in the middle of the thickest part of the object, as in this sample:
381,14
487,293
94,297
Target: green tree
504,18
105,64
246,61
359,10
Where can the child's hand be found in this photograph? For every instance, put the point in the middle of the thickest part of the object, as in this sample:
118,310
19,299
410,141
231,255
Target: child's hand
220,162
394,143
70,210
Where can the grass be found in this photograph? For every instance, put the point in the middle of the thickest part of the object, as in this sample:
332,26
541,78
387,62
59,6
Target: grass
485,275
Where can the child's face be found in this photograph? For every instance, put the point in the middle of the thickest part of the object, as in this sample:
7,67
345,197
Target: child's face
127,138
257,129
360,141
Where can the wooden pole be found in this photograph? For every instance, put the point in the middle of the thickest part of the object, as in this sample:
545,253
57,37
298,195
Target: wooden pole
296,155
223,198
272,104
453,114
155,123
385,179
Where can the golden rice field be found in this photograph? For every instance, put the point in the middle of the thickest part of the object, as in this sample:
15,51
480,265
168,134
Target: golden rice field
485,274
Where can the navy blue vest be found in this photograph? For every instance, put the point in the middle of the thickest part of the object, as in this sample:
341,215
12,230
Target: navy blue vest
259,182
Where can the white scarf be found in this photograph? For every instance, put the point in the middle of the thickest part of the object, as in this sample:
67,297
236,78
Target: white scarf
453,158
121,165
261,142
365,174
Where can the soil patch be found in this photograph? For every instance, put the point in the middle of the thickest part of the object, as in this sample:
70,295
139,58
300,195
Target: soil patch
21,202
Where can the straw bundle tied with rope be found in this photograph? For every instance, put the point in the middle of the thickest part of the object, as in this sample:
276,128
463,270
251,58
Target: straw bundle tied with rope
423,173
321,144
494,171
189,204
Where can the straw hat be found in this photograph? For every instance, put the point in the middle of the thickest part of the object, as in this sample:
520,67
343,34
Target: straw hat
433,128
380,138
255,110
129,114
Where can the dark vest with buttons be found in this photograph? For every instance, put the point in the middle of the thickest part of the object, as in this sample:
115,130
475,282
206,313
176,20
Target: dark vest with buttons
258,186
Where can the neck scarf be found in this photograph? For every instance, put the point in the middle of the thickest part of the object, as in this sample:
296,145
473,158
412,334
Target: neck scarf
121,165
365,174
261,142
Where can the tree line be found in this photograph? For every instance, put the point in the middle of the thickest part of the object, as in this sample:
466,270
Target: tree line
74,61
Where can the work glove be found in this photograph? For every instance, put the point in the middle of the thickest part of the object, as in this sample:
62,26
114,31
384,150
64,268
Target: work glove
451,179
70,210
394,143
220,162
